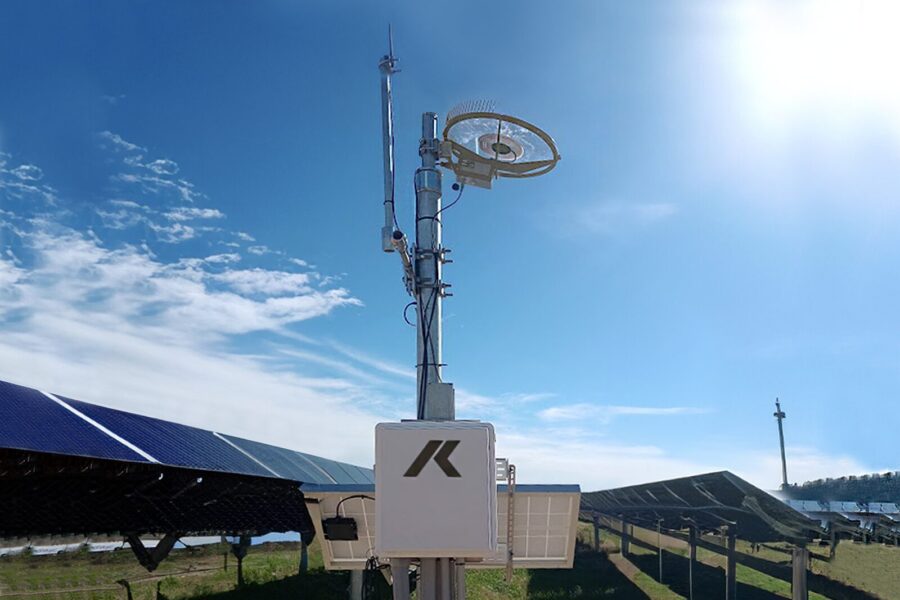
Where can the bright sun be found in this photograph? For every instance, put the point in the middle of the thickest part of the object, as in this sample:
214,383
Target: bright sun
840,57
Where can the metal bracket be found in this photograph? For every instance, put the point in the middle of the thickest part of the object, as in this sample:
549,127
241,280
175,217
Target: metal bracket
150,558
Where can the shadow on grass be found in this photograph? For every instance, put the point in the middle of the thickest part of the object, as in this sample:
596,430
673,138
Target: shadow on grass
315,585
709,582
593,576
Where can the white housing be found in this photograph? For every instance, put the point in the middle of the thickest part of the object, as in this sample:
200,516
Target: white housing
436,490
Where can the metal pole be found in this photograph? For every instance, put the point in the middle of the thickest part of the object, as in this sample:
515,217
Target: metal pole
692,542
780,415
400,578
433,400
428,579
388,65
800,566
356,585
731,568
304,557
460,583
625,550
659,547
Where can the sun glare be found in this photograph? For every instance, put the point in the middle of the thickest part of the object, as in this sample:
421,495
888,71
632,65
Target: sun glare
836,57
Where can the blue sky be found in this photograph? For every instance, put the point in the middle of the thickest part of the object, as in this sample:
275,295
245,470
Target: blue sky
190,199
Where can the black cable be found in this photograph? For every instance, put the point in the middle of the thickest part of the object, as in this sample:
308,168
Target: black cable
462,187
337,509
427,318
405,309
369,591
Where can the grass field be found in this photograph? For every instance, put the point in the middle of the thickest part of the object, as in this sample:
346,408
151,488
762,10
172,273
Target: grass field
271,571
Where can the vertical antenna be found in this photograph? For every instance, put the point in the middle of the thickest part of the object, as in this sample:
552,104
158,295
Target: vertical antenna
388,66
780,415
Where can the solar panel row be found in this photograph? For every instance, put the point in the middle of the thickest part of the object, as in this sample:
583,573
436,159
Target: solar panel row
39,422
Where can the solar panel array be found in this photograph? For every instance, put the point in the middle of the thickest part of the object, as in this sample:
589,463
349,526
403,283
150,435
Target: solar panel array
879,520
41,422
709,502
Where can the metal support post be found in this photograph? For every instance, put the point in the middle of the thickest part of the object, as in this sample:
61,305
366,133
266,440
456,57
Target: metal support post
240,551
400,578
151,557
596,532
304,557
356,585
659,548
692,562
799,590
459,593
626,550
731,568
510,519
428,579
445,577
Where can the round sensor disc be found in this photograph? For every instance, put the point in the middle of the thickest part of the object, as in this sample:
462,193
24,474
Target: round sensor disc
500,147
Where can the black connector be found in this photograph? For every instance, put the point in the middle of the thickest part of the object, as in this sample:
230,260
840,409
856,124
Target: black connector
340,529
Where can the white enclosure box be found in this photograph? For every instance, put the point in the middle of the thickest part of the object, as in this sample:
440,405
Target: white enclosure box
436,490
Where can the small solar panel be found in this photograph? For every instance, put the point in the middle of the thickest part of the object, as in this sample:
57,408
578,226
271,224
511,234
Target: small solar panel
338,554
544,527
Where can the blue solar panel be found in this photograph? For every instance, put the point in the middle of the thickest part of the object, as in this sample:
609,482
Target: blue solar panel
338,471
29,420
301,466
172,443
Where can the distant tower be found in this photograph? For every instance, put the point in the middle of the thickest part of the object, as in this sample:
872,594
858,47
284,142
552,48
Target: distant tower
780,415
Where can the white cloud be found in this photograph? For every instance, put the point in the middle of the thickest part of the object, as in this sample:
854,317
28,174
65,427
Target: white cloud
115,141
187,213
610,218
258,250
157,184
563,456
373,362
804,464
28,173
174,233
606,413
244,236
229,257
163,166
266,282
